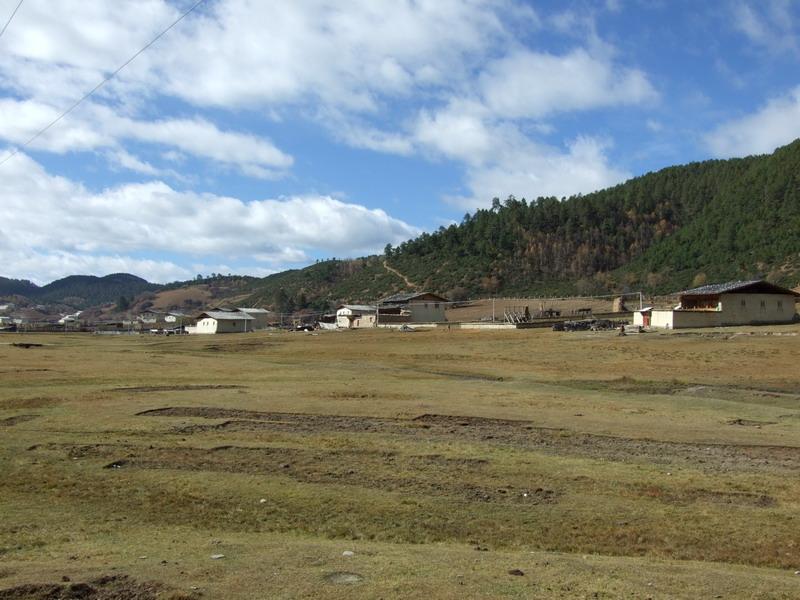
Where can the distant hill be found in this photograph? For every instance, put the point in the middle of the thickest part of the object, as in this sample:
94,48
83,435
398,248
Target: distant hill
681,226
718,220
16,287
79,291
707,221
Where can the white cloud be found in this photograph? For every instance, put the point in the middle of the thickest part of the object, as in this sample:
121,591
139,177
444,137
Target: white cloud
531,170
775,124
345,55
128,161
42,267
654,125
460,131
95,127
533,85
769,24
53,217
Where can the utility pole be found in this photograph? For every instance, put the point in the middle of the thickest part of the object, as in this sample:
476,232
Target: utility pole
492,309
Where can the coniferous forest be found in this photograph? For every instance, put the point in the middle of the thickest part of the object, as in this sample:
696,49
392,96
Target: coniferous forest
708,221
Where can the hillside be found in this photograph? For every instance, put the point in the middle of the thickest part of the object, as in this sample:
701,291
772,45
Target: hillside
705,221
16,287
78,291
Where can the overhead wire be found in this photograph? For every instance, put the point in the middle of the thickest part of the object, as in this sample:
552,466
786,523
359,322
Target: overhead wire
99,85
13,12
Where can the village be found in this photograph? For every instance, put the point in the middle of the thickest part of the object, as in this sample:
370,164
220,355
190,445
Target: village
734,303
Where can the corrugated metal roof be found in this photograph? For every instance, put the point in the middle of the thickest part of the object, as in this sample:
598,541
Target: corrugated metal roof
754,286
359,307
255,311
223,315
408,296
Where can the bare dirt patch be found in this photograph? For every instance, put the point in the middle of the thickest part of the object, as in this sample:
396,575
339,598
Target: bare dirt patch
749,422
37,402
344,577
109,587
430,475
510,433
689,496
9,421
175,388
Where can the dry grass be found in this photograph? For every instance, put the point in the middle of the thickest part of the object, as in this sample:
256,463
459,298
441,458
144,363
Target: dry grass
477,310
652,465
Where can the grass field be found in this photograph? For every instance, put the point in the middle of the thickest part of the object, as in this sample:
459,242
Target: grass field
519,464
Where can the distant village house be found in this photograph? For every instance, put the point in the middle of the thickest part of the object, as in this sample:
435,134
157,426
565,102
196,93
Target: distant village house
417,307
734,303
223,321
355,316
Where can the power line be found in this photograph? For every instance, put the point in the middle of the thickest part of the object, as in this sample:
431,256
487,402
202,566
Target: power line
13,12
99,85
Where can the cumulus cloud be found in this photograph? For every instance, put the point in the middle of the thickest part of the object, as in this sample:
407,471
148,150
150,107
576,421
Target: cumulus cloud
531,170
346,55
96,127
775,124
445,79
67,226
529,84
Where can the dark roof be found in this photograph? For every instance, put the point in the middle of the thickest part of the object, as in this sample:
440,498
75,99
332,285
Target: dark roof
755,286
409,296
225,315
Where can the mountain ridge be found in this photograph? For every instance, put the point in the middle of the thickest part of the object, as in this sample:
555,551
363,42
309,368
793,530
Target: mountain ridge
687,224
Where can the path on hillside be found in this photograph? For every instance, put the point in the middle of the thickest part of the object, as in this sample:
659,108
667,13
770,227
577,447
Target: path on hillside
399,274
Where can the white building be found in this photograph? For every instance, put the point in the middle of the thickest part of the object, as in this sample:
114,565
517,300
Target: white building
734,303
73,318
223,321
355,316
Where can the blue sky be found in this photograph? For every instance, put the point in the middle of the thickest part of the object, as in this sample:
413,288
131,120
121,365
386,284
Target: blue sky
255,137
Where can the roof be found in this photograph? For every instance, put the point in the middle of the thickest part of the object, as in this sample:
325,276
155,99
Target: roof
223,315
754,286
358,307
255,311
405,297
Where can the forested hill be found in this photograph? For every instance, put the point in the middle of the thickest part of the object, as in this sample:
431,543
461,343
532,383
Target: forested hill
78,291
706,221
719,219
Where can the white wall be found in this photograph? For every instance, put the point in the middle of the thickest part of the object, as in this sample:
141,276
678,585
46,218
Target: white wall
206,325
741,309
210,325
736,309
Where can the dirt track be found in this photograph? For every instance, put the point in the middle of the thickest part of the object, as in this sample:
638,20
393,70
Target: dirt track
387,471
518,434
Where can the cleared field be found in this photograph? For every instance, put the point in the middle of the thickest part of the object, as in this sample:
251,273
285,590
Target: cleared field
442,464
477,310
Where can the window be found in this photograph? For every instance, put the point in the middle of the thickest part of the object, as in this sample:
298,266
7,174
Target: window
744,302
780,304
436,305
763,304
